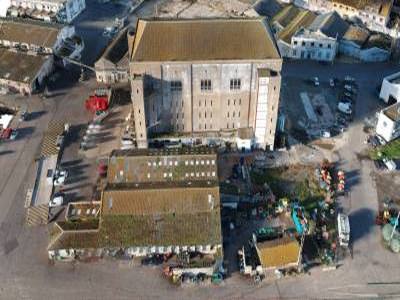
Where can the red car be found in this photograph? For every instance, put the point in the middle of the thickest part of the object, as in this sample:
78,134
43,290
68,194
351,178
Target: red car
6,133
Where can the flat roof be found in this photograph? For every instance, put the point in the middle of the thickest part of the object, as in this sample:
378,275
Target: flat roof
25,70
278,253
162,168
44,188
393,112
29,32
203,40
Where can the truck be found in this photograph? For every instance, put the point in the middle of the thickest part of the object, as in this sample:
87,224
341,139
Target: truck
343,225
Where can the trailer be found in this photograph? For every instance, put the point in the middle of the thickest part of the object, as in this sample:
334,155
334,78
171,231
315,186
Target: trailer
343,225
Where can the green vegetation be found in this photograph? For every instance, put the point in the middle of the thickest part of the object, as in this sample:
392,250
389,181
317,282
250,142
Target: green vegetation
285,183
87,224
390,150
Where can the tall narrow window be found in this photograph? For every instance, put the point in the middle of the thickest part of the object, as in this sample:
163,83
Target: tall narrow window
176,86
205,85
235,84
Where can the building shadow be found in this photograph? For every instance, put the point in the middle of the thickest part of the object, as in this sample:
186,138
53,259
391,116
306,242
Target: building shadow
362,222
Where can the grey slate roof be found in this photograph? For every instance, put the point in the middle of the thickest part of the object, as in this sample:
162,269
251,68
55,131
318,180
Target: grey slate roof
330,24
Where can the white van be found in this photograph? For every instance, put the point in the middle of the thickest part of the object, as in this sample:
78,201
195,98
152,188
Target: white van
345,108
343,225
390,164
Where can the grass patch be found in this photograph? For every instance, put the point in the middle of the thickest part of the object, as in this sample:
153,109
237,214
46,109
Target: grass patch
390,150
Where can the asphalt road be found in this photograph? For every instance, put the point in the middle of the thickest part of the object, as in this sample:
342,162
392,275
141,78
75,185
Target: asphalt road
26,274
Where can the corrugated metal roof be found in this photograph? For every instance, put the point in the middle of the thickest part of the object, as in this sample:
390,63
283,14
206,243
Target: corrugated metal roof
49,142
203,39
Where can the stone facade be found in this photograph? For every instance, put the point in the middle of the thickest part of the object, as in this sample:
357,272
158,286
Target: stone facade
210,98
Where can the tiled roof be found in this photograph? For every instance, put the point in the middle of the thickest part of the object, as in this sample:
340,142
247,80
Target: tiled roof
161,230
285,16
25,70
203,39
278,253
32,33
160,200
303,19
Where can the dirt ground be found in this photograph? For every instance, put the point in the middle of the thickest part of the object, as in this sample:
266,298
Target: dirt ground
323,99
290,181
388,186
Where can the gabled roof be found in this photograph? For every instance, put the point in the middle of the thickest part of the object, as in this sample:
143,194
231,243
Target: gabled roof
203,40
302,20
330,24
117,50
279,253
286,15
29,32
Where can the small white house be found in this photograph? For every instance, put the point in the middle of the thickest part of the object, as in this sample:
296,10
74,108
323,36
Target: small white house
388,125
320,40
390,90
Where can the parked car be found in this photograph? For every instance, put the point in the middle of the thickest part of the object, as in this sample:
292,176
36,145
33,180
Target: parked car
332,82
390,164
59,141
127,141
345,108
316,81
57,200
13,134
23,116
349,79
325,134
380,139
60,177
373,141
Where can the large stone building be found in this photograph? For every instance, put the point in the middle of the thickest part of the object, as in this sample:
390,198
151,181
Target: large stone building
205,79
155,202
